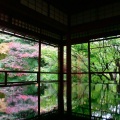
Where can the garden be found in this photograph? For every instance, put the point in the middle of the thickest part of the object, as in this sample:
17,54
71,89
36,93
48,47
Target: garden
18,78
95,74
96,78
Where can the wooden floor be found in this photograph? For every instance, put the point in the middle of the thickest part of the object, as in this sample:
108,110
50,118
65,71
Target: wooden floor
60,118
53,115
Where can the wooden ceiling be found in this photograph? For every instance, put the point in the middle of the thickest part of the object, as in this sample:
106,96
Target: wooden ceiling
81,32
73,6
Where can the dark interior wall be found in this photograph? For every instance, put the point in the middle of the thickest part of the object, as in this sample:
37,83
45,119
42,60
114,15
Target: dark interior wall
90,22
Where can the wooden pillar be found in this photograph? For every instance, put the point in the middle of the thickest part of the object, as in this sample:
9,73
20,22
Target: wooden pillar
60,82
38,77
69,106
69,79
89,72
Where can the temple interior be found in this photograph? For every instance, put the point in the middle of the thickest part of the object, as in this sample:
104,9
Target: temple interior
59,60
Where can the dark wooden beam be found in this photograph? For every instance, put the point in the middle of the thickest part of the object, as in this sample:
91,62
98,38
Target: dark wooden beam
69,87
28,15
98,24
60,85
88,38
16,29
38,78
